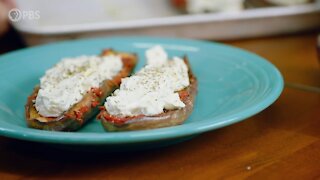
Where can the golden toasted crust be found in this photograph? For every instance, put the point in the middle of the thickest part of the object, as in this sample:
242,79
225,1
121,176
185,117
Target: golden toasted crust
81,112
166,119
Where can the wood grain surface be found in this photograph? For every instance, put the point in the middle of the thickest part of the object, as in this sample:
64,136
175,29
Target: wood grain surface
281,142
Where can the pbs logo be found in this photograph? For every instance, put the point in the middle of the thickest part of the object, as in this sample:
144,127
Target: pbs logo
16,15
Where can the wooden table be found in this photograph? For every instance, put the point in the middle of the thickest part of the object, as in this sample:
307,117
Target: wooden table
281,142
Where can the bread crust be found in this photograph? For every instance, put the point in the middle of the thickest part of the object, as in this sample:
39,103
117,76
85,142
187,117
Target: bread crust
87,108
165,119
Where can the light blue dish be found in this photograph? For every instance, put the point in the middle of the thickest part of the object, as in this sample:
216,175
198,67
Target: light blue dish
233,85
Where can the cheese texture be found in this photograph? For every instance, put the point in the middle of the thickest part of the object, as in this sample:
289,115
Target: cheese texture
153,89
68,81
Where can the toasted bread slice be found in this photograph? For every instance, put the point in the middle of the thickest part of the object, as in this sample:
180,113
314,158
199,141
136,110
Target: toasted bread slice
165,119
82,111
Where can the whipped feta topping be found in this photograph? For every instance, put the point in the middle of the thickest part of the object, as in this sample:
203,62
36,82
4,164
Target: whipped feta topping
200,6
68,81
153,89
156,55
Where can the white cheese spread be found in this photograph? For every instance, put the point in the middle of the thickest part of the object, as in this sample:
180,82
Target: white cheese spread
156,56
153,89
68,81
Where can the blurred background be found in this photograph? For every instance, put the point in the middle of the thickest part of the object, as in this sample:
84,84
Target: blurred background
33,22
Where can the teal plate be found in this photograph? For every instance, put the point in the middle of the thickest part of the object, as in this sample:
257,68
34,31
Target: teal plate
233,85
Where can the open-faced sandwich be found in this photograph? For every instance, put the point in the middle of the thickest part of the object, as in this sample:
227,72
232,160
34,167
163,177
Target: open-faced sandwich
69,93
161,94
